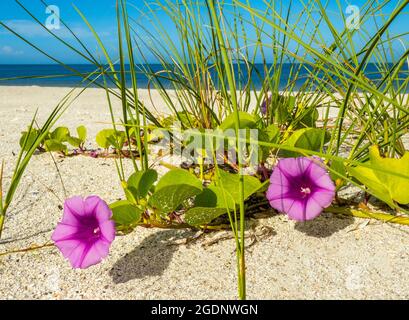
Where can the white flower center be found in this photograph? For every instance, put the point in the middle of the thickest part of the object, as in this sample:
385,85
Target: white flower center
305,191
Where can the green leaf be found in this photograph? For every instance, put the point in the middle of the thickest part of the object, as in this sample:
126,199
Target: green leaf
102,138
213,196
383,185
264,136
117,139
31,138
247,121
202,215
309,119
308,139
209,205
273,133
125,213
338,167
75,142
398,187
173,189
186,118
178,176
230,182
53,145
370,180
60,134
139,183
82,133
282,106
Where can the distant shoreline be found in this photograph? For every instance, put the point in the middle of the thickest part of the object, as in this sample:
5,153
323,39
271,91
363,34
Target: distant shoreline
54,75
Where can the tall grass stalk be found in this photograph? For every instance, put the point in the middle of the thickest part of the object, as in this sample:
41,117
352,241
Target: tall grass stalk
224,47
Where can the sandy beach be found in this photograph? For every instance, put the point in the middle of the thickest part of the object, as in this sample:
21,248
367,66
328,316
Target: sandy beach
332,257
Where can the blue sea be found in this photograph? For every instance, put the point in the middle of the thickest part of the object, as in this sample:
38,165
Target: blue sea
53,75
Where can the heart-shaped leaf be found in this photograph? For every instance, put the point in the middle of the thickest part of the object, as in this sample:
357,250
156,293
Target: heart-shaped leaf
75,142
117,139
214,196
82,133
247,121
202,215
125,213
53,145
230,182
209,205
139,183
398,187
308,139
369,179
60,134
102,138
382,184
109,137
173,189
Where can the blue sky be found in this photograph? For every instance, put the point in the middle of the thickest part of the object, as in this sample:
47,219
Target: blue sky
101,14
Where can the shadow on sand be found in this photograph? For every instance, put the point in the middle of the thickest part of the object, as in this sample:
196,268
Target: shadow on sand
324,226
150,258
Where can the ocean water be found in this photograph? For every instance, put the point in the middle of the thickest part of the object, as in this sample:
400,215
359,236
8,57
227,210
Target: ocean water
53,75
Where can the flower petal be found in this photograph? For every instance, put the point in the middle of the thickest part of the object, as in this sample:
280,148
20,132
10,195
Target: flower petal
63,232
77,255
103,212
75,205
316,170
294,167
278,177
108,230
67,246
292,207
297,211
275,192
313,209
94,254
69,217
325,182
323,197
91,203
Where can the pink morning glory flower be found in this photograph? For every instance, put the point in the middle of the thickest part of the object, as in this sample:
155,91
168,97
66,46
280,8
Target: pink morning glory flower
85,232
301,188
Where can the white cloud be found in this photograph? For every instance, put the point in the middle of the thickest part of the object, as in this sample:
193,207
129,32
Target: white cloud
9,51
28,28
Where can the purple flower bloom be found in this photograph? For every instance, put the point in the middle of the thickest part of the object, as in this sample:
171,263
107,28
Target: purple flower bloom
301,188
264,105
86,231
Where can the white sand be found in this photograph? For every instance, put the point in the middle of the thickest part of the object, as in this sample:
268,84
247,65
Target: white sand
330,257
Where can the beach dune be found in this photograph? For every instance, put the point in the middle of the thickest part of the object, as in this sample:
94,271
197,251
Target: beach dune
332,257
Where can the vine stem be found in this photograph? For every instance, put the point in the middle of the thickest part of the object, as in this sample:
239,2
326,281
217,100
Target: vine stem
369,215
31,248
